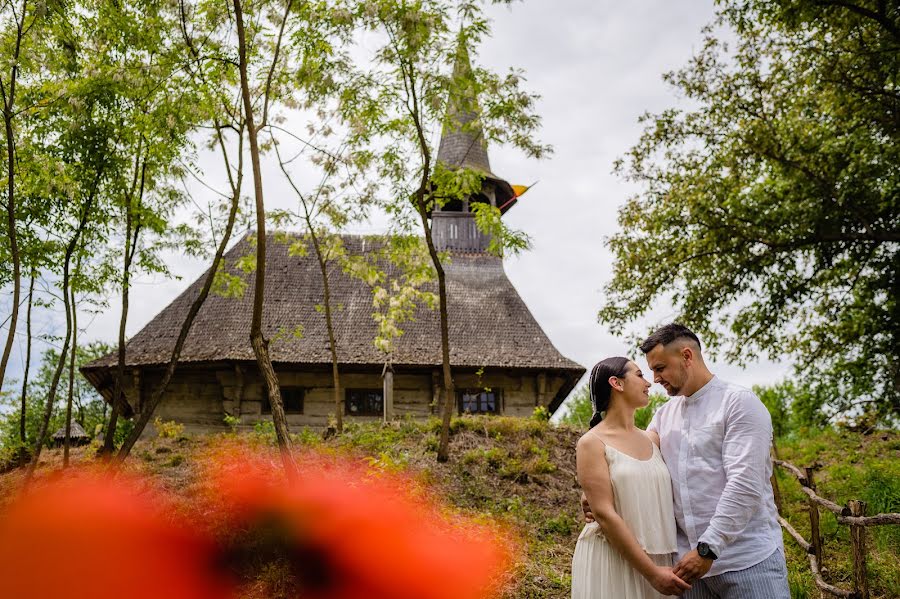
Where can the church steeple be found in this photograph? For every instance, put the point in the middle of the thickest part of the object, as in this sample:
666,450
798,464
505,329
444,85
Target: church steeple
463,146
462,139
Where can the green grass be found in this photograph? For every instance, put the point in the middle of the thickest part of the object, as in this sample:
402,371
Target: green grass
850,466
521,472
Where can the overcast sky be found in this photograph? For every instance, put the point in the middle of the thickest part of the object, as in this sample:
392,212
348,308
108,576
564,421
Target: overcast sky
598,66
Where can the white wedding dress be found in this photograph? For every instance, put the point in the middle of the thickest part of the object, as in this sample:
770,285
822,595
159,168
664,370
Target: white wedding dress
643,498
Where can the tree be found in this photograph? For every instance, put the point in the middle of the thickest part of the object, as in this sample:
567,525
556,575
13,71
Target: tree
88,406
420,71
769,212
254,125
157,104
20,25
213,73
323,213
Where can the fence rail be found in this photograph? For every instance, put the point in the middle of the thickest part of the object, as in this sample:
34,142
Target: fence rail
852,515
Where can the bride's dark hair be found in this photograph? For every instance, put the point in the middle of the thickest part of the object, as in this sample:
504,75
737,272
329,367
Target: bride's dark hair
600,387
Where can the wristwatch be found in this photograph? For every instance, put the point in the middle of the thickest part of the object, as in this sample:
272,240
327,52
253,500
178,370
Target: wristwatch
704,551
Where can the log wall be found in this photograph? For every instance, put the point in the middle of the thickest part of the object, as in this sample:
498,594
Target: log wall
200,397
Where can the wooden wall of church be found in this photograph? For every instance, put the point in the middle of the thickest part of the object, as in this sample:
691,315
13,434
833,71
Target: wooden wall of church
200,397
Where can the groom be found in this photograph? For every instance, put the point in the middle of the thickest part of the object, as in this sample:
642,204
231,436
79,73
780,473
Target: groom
715,439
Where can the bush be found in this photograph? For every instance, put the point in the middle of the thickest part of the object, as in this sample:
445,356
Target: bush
232,422
168,429
541,414
578,408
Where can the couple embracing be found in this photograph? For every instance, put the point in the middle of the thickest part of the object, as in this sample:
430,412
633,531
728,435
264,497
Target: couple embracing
685,508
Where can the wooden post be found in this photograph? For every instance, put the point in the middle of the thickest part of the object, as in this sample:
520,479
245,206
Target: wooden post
388,375
776,491
815,538
858,542
138,392
541,388
239,390
436,391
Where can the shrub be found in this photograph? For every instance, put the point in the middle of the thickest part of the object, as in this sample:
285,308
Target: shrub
232,422
168,429
541,414
578,408
561,525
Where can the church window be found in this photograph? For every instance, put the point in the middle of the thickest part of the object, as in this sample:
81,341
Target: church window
364,402
479,401
291,397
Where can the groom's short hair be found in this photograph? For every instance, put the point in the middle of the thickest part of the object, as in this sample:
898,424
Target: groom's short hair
668,334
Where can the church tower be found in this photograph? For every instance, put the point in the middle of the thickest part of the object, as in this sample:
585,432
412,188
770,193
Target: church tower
463,146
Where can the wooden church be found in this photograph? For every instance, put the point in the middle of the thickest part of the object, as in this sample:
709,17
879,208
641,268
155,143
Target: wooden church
502,361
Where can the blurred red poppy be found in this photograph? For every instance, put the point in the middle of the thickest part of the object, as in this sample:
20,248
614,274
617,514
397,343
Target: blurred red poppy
89,536
353,533
343,531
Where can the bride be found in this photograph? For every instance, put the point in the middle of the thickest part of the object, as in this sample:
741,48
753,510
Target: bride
627,552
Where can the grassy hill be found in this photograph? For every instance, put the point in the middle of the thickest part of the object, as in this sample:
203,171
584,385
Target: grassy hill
522,472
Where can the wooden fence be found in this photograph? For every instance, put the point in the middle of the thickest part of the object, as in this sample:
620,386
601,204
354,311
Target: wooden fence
852,515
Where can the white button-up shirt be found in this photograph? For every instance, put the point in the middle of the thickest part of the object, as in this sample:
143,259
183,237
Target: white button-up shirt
716,445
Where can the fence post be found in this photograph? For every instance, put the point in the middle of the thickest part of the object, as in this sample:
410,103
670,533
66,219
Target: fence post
815,537
858,542
775,490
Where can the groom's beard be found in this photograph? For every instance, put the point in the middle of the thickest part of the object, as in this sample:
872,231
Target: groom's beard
671,390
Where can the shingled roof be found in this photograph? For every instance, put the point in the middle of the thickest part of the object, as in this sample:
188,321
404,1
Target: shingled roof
75,432
490,325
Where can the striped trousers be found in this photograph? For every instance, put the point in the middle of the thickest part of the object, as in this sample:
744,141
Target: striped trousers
765,580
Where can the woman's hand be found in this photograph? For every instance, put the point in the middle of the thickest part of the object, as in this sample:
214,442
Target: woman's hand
586,508
665,582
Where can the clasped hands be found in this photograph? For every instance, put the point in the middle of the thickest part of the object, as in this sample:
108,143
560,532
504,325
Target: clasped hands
689,568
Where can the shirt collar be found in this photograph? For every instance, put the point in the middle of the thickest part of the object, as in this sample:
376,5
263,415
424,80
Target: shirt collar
704,390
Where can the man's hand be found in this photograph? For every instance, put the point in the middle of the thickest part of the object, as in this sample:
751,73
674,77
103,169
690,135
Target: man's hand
666,582
692,567
586,508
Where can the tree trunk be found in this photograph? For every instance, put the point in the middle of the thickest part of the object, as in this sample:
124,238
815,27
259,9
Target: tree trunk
259,343
13,248
9,100
131,237
335,371
24,405
449,392
150,407
67,442
51,396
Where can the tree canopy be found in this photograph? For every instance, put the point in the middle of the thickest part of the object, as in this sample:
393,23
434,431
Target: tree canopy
770,209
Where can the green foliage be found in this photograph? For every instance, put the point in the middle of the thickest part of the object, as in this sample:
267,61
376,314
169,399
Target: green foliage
541,414
642,416
88,407
264,430
307,437
123,429
231,422
849,466
580,410
562,525
168,429
769,210
794,409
